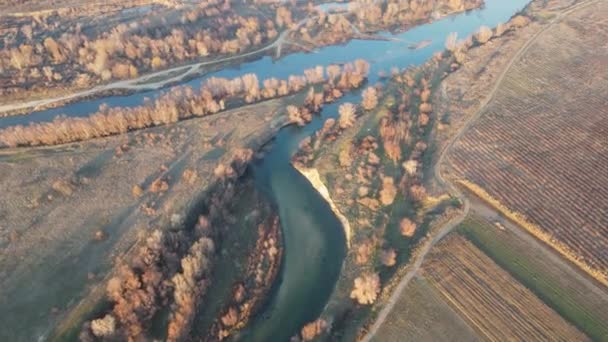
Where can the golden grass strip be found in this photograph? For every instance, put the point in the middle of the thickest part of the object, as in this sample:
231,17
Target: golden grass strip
536,231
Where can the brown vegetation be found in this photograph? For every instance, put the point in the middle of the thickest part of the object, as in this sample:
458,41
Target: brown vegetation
366,16
313,329
370,98
483,35
537,152
389,257
388,191
249,292
180,103
136,290
373,169
83,50
407,227
104,327
366,289
190,285
65,238
489,298
170,268
347,113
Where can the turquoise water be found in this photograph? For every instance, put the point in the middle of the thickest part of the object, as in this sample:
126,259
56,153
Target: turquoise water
331,7
314,240
381,54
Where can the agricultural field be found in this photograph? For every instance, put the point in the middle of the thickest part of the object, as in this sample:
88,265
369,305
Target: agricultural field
538,153
557,283
421,314
492,301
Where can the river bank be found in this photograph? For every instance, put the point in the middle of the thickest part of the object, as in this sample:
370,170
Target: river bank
315,179
289,40
310,228
59,226
335,153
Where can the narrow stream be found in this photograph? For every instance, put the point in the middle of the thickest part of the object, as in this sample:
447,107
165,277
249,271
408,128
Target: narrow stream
314,240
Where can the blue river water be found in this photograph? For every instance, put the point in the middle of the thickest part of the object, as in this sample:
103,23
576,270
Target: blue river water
314,240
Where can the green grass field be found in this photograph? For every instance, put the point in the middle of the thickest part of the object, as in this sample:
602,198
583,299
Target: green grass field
553,282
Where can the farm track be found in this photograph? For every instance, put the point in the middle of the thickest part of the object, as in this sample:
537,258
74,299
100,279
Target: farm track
536,150
138,84
489,214
493,302
452,188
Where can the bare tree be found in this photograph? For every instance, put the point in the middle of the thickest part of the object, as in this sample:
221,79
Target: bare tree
347,115
366,288
451,41
370,98
407,227
483,35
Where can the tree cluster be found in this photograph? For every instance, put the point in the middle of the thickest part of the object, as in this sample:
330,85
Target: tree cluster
170,269
262,267
179,103
458,49
371,16
81,57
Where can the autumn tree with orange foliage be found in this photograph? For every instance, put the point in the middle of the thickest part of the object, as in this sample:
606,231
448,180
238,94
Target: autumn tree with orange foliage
370,98
313,329
179,103
407,227
347,113
188,287
366,288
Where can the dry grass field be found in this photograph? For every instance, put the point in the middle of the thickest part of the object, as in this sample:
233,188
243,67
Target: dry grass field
66,212
540,148
493,302
557,283
421,314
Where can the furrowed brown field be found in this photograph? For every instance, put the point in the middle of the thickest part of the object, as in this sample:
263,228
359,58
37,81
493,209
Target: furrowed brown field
421,314
493,302
539,152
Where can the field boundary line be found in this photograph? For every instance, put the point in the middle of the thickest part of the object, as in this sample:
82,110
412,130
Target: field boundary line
453,189
537,232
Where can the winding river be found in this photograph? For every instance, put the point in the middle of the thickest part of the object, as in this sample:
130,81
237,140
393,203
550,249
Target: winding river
314,240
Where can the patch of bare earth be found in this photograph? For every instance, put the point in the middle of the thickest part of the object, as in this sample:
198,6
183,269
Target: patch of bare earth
539,149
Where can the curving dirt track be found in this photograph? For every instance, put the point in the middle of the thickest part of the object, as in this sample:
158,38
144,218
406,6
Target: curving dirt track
452,189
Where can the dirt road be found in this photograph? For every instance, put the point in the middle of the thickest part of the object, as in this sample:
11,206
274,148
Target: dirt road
142,83
452,189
